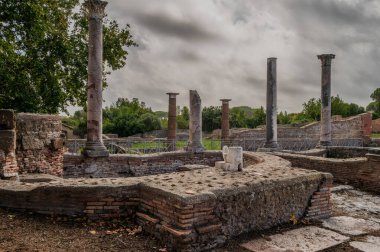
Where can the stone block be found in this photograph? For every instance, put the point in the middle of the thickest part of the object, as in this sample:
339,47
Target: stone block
7,119
7,140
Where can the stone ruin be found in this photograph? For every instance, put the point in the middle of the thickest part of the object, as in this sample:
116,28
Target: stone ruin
233,159
189,200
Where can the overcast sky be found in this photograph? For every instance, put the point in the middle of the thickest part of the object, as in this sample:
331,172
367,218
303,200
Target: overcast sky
220,48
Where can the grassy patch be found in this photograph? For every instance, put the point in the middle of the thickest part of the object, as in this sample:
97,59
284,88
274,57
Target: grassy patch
375,135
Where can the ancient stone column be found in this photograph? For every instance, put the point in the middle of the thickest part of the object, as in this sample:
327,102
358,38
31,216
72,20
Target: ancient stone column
325,134
225,121
195,124
94,144
271,121
172,121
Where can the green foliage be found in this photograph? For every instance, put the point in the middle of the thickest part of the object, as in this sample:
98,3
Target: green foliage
211,118
127,118
375,105
78,121
183,118
246,117
284,118
43,52
312,109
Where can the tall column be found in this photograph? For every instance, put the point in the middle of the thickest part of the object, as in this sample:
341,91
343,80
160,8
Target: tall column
225,120
325,134
94,144
271,124
195,124
172,121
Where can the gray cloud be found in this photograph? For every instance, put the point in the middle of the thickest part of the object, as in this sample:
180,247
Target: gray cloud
219,47
188,30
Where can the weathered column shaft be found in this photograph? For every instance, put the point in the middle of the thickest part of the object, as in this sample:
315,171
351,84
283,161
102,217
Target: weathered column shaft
94,144
325,134
195,124
172,116
225,119
271,113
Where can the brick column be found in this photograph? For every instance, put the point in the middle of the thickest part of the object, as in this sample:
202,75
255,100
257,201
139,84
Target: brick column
225,121
94,144
172,121
325,134
271,122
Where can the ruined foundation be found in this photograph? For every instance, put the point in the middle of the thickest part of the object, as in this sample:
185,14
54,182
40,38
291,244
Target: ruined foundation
195,209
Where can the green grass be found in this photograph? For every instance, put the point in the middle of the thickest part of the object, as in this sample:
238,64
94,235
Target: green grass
375,135
208,144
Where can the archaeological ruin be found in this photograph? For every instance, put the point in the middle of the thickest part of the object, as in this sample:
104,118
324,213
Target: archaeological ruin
189,198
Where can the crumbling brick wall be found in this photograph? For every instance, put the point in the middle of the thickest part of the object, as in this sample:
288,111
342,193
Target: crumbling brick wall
39,144
376,126
8,163
361,172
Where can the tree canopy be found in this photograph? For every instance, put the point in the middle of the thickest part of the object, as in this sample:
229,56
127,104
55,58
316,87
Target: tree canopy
44,54
375,105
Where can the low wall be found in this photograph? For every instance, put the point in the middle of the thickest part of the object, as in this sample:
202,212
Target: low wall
361,172
129,165
356,127
188,211
39,144
346,152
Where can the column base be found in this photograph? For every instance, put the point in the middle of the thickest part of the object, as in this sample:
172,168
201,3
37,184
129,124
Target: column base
95,149
271,145
195,149
323,144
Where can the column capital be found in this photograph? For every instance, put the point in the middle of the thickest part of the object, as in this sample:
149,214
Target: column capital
95,8
326,59
225,100
172,95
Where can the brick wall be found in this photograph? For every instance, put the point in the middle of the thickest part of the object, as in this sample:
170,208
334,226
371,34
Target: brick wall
134,165
376,126
363,172
193,222
39,144
359,126
8,163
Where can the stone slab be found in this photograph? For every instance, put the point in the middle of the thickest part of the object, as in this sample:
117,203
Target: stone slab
371,244
305,239
350,226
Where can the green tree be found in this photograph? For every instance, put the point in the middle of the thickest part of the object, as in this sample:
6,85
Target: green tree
127,118
43,52
375,105
78,121
183,118
211,118
283,118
